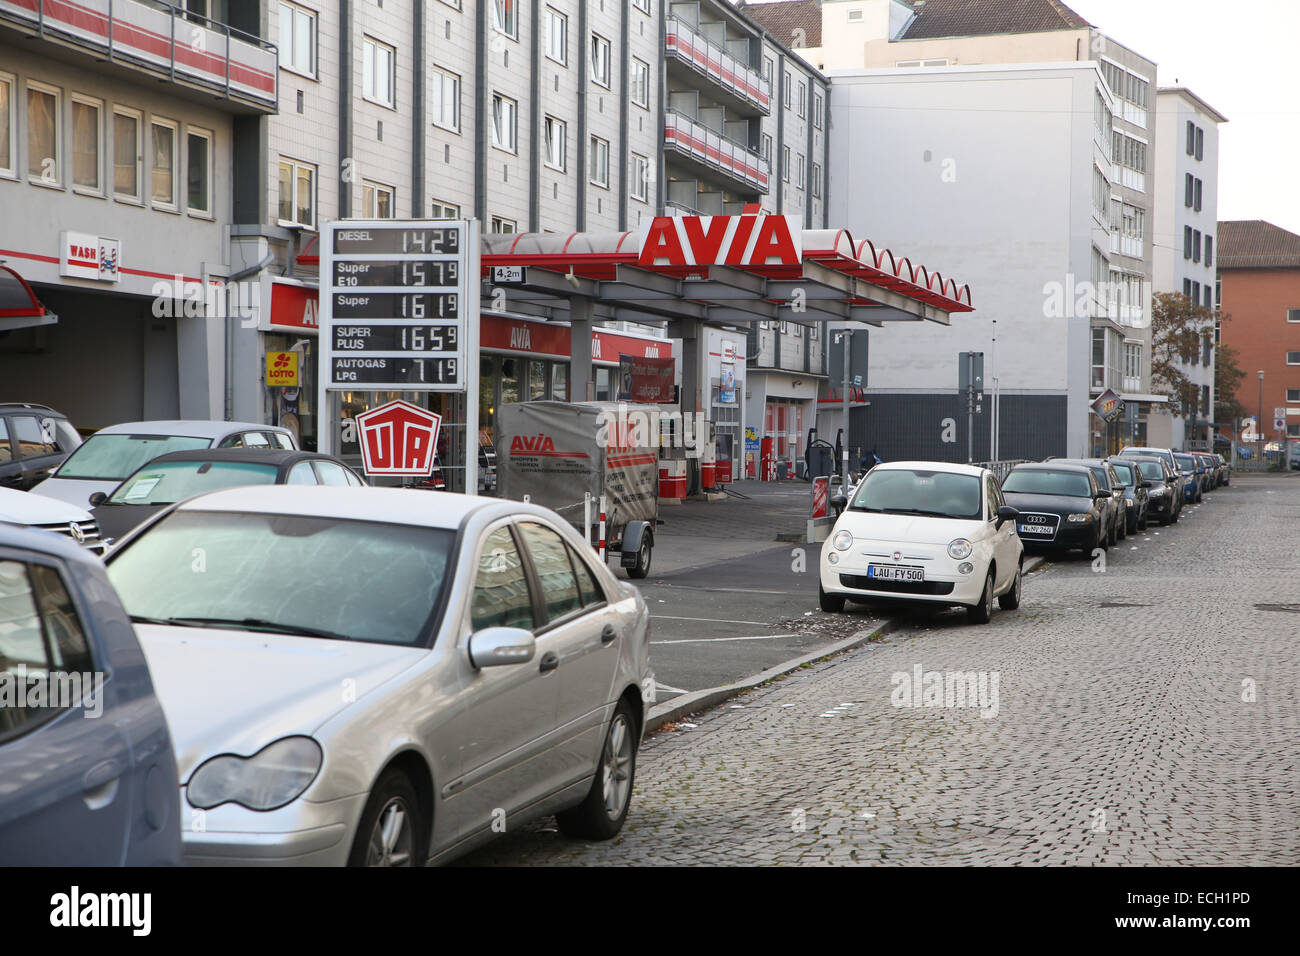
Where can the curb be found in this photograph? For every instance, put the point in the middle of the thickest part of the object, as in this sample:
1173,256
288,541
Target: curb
710,697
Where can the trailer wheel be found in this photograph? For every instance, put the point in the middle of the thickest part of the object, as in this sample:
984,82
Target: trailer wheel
642,566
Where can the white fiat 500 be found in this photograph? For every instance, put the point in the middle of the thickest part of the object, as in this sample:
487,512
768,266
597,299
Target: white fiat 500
927,532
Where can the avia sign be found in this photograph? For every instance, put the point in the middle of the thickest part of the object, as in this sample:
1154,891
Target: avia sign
398,439
752,240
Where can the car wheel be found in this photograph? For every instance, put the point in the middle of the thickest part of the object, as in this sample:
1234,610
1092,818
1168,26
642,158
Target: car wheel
830,603
980,613
392,831
1011,600
642,566
601,815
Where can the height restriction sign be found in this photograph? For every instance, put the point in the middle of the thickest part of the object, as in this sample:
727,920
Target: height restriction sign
399,294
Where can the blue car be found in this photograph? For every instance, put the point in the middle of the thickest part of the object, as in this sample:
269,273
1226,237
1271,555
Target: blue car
1193,476
87,772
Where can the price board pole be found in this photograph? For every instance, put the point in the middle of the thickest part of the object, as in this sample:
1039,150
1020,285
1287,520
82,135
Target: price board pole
399,311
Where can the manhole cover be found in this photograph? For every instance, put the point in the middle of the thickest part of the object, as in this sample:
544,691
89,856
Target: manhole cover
1285,608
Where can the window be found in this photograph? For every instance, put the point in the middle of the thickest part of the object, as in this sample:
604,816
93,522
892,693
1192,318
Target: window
1187,242
1292,396
378,202
640,83
785,95
297,194
301,474
1132,360
87,144
1191,138
559,585
592,595
1187,288
501,596
445,99
1293,315
640,187
7,163
799,168
1293,358
785,163
1206,302
1293,430
443,210
1189,190
557,36
816,181
556,138
1197,203
1200,143
599,60
297,39
505,18
31,439
162,178
855,16
505,114
504,227
642,5
43,139
198,171
803,99
1196,245
126,154
767,70
767,148
378,72
818,104
1209,250
599,161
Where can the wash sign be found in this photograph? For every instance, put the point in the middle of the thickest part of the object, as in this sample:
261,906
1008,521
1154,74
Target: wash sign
83,256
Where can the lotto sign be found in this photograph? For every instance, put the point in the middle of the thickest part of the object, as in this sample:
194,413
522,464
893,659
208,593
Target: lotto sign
398,439
282,369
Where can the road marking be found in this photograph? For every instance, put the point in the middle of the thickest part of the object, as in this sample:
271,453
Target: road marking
710,620
708,640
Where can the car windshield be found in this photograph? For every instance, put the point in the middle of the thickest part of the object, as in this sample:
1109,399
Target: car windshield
1125,473
328,577
938,494
1186,462
165,483
1152,469
114,457
1073,484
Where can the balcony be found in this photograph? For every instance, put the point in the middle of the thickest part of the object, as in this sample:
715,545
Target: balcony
714,152
708,61
161,40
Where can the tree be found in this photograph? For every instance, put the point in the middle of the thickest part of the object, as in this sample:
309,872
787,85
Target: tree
1227,378
1177,326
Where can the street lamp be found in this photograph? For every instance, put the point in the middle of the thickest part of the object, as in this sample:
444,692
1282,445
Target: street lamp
1259,421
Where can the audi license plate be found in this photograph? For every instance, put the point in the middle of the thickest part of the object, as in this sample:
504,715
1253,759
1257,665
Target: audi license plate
885,572
1046,530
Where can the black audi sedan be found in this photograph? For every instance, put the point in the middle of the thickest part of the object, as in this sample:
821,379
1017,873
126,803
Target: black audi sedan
182,474
1061,506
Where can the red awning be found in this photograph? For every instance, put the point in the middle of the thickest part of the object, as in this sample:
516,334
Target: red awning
19,307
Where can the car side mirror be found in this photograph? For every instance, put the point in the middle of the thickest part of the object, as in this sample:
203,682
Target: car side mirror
97,499
1007,513
494,646
1101,495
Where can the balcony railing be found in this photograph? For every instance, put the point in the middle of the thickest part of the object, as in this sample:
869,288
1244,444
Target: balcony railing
161,38
711,60
715,150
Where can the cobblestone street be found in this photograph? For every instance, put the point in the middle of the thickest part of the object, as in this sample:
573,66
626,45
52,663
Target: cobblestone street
1145,714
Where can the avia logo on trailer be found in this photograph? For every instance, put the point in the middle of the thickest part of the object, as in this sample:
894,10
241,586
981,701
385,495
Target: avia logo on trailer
535,444
755,240
398,439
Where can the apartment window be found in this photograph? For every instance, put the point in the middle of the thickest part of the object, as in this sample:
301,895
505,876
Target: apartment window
162,163
7,137
505,18
785,163
642,5
803,99
599,60
1189,190
640,83
1200,143
599,161
443,210
817,181
1292,396
1098,379
87,144
198,172
1293,358
1187,288
818,105
1196,293
378,202
1196,246
765,147
297,194
297,39
799,169
1191,138
1187,242
767,70
43,138
505,119
1209,250
505,227
786,94
1207,303
640,177
1293,315
379,65
1132,360
445,99
126,154
1197,202
557,36
556,136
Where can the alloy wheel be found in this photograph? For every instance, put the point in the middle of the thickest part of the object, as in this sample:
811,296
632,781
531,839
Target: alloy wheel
615,770
390,840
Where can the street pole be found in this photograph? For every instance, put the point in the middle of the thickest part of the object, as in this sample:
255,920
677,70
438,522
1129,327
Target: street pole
970,408
1259,425
844,455
993,412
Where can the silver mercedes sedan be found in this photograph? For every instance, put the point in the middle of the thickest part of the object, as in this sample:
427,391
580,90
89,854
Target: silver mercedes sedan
384,677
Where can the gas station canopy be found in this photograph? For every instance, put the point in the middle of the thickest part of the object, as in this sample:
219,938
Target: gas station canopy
717,270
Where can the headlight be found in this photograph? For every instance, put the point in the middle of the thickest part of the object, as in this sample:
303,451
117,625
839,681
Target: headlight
843,540
958,549
274,776
1082,517
1158,493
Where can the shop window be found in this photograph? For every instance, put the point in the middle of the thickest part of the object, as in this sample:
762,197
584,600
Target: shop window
559,381
536,381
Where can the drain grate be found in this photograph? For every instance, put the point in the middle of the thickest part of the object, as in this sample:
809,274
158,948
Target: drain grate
1283,608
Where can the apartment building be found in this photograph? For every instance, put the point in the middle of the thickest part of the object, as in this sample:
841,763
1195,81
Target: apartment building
1186,220
117,127
1258,267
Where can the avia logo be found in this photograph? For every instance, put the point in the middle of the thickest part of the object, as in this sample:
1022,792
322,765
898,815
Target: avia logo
309,317
749,240
521,338
536,444
595,347
398,439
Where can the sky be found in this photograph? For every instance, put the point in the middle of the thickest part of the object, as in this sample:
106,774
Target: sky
1240,57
